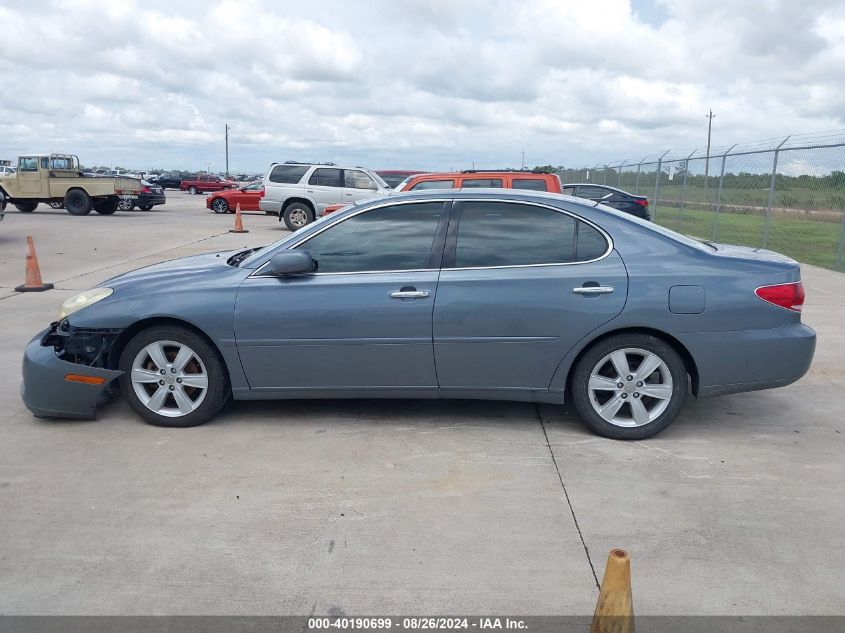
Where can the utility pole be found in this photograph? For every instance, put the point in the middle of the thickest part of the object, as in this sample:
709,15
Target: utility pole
227,150
523,159
709,118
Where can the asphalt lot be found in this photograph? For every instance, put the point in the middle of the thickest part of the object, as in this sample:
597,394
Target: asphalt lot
403,507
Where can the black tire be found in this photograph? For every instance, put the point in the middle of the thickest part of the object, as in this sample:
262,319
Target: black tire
193,190
145,207
26,207
579,386
296,211
107,206
217,392
77,202
125,204
219,205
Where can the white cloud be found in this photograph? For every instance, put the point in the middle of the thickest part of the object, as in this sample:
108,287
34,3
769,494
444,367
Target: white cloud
429,84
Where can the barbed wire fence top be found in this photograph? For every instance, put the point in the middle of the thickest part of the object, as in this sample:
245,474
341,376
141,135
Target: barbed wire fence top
785,194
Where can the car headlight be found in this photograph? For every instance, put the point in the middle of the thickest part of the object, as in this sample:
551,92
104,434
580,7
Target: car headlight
83,300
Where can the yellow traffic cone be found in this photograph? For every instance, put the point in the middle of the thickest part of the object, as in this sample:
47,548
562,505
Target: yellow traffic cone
615,607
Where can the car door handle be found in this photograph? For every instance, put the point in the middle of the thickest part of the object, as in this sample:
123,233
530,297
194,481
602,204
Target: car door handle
593,290
409,294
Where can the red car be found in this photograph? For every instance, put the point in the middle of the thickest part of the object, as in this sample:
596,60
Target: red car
204,182
225,201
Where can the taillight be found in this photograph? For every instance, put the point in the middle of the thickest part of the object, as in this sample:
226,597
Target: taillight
789,296
145,189
643,202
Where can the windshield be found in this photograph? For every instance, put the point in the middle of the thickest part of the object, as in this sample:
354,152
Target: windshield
380,180
401,186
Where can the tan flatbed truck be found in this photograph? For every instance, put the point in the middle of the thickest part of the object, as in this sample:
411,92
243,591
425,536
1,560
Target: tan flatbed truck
55,179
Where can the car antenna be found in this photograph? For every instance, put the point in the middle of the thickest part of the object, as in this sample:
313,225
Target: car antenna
602,199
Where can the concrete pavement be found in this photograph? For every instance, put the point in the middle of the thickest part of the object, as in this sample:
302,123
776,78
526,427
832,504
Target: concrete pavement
401,506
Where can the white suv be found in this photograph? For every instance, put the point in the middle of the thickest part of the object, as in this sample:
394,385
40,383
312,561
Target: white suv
300,192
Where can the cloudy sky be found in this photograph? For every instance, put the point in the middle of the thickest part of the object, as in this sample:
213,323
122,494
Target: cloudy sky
429,84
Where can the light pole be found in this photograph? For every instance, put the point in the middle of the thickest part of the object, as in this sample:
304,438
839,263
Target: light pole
227,150
710,118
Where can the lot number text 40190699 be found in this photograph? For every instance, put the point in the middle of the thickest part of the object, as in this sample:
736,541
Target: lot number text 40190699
415,623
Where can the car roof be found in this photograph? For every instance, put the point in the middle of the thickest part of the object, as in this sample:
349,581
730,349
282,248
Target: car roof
479,173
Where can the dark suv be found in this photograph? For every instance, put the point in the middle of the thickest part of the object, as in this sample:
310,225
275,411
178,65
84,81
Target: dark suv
610,196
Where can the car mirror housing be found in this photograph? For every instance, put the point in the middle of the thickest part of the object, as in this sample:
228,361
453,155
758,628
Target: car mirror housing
292,263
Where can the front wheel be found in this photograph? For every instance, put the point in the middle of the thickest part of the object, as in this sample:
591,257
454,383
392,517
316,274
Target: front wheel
26,207
173,377
193,190
145,207
629,386
297,215
219,205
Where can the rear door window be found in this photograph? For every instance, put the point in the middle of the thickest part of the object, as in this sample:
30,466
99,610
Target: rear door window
481,183
324,177
512,234
287,174
433,184
534,184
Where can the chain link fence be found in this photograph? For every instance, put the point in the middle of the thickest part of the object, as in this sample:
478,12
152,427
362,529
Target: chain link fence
786,194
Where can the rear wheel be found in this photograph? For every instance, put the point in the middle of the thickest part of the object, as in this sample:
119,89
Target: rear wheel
173,377
145,207
126,204
77,202
296,215
219,205
630,386
107,206
26,207
193,190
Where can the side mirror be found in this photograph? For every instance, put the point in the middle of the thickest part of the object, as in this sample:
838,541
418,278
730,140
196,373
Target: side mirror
292,263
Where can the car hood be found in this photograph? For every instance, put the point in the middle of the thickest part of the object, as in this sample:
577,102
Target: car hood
209,264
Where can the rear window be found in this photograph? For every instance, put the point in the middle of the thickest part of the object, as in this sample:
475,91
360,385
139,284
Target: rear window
479,183
535,184
288,174
434,184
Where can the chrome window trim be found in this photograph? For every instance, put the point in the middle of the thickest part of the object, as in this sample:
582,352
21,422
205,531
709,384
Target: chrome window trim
577,218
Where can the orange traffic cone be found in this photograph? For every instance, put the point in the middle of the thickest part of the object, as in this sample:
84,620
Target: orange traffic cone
33,273
615,607
239,223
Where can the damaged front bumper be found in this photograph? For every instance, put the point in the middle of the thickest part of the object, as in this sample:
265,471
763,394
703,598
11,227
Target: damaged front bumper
64,373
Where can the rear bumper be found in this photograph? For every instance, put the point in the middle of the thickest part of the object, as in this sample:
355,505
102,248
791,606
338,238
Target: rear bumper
750,360
270,206
151,199
46,393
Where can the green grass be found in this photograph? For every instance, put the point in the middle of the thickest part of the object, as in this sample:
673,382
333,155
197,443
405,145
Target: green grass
804,240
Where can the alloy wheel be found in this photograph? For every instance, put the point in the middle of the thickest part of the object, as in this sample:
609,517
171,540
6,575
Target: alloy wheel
299,218
169,378
630,387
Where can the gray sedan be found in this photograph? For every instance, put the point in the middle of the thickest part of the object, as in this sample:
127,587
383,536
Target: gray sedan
487,294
